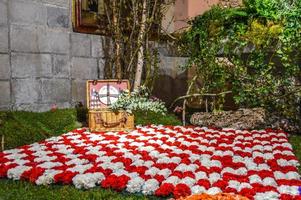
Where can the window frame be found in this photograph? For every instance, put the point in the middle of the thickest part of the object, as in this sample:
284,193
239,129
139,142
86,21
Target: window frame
79,26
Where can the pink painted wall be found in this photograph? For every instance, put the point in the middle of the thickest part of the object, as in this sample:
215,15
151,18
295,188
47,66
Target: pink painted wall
187,9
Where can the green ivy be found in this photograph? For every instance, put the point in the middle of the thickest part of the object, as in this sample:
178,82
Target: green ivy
261,40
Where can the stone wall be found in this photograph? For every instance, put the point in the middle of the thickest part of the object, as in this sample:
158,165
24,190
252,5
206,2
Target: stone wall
230,3
42,61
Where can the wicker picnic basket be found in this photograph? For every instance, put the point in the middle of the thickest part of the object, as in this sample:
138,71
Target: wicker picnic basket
100,94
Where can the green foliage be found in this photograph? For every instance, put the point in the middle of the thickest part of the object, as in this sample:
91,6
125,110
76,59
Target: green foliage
260,43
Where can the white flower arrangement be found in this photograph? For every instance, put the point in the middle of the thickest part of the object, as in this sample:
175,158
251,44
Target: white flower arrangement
139,100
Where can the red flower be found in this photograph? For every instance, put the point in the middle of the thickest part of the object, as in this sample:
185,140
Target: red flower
165,190
115,182
33,174
159,178
181,190
4,168
205,183
258,160
220,184
286,197
247,192
230,190
65,177
188,174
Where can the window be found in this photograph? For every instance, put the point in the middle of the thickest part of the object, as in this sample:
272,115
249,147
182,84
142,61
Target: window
89,16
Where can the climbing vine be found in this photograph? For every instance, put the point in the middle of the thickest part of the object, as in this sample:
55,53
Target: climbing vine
252,51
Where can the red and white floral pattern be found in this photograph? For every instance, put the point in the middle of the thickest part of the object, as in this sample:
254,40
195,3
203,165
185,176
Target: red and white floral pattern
163,160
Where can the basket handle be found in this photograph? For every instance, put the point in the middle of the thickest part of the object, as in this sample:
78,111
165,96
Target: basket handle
100,120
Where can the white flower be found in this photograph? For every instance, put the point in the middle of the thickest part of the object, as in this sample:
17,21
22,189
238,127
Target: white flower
213,177
16,172
184,168
80,168
154,154
164,160
105,159
294,163
135,185
19,162
268,156
152,171
255,179
16,156
244,185
291,190
138,163
228,169
213,191
121,172
292,176
279,175
164,172
88,180
49,165
77,161
172,179
198,189
238,159
45,158
47,177
268,181
267,196
234,184
241,171
263,166
200,175
150,186
188,181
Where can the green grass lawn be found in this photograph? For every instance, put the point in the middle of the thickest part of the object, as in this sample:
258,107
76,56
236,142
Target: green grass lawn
295,140
21,128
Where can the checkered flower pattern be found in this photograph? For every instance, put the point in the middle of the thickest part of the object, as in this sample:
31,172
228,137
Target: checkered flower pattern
163,161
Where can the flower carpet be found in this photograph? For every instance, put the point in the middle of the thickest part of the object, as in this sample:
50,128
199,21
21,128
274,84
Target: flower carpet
163,161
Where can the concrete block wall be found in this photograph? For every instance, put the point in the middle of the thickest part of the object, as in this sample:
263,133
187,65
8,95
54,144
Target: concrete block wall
42,61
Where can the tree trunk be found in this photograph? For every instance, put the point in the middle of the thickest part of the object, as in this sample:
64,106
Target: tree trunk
139,67
117,38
